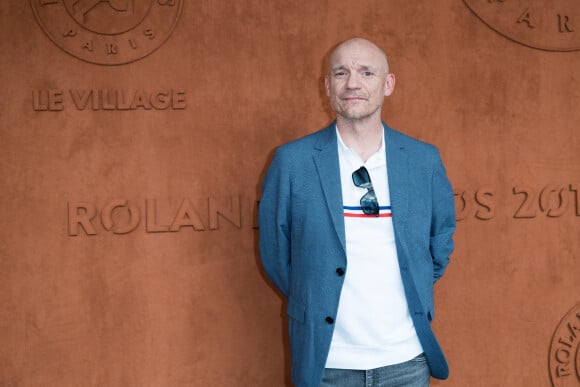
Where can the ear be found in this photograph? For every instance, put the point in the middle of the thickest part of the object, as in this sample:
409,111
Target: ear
389,84
327,85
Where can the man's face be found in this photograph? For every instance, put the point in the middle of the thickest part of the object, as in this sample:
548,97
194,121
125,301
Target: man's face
358,80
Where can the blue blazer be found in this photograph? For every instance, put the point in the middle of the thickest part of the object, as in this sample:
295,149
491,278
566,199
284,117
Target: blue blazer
302,239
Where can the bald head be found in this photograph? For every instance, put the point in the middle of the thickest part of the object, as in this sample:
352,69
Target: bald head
358,80
354,47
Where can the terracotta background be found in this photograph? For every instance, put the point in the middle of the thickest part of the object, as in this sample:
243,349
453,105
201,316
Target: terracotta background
192,307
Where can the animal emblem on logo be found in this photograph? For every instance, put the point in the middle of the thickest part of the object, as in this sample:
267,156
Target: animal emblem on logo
108,32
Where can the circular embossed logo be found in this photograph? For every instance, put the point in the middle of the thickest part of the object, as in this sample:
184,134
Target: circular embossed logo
564,361
108,32
545,25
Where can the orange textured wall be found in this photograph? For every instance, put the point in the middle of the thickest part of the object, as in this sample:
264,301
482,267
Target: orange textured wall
134,136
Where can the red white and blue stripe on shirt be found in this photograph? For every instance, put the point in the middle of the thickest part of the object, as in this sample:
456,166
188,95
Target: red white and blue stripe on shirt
357,212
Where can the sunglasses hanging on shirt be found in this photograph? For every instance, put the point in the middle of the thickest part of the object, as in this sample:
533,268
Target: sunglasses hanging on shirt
368,202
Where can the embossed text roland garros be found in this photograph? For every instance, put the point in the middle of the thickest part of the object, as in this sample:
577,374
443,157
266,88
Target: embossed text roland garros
564,358
123,216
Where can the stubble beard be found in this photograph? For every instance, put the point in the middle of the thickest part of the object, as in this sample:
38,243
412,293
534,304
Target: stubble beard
353,115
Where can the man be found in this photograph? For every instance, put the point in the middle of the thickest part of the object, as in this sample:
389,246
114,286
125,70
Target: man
356,225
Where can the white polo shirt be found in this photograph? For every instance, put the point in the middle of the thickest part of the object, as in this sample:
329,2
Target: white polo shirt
373,327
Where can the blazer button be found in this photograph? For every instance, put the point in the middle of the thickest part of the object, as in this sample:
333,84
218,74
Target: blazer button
329,320
340,271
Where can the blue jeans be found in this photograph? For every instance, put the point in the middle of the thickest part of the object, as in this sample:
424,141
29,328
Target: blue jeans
412,373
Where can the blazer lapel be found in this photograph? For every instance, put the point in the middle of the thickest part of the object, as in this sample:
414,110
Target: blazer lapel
398,177
328,167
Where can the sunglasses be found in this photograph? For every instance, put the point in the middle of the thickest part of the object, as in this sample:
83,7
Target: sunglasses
368,202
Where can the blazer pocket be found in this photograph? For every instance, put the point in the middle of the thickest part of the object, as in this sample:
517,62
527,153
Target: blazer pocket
296,310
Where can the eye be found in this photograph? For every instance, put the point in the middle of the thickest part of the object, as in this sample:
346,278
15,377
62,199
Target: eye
339,74
368,73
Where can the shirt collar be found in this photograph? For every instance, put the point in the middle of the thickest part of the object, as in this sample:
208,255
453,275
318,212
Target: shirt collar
376,159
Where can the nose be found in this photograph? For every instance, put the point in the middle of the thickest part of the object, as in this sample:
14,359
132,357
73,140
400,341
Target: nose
352,82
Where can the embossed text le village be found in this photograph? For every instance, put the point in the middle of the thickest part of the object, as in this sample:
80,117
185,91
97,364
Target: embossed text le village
107,99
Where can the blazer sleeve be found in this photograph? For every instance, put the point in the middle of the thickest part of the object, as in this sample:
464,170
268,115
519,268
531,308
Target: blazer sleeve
274,223
442,221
